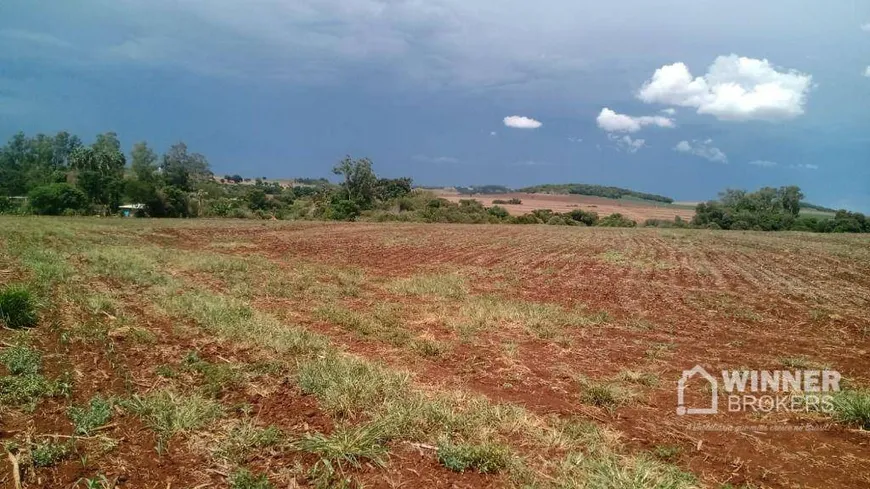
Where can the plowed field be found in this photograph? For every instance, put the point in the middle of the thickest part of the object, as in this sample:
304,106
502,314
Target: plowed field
424,355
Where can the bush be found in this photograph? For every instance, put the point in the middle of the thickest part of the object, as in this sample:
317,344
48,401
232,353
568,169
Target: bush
343,210
9,206
561,221
17,307
617,220
586,217
498,212
55,198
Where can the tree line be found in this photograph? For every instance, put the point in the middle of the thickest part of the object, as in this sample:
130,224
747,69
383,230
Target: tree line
773,209
594,190
60,175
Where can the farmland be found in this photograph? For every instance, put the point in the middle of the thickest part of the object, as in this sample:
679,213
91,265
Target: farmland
215,353
635,209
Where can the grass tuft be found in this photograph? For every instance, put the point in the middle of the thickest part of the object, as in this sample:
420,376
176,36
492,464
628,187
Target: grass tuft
615,471
49,453
345,386
604,394
647,379
21,360
485,458
87,418
349,445
17,307
167,412
853,407
244,479
242,438
450,286
216,377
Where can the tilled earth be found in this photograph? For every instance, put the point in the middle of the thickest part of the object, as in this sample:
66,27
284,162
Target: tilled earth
658,301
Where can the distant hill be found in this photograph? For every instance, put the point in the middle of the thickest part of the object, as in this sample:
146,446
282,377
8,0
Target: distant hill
820,208
594,190
484,189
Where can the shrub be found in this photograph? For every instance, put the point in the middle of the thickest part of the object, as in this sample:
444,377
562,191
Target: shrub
17,307
617,220
586,217
9,206
499,212
486,458
561,221
343,210
55,198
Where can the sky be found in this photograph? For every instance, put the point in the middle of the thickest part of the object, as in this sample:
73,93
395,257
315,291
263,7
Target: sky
677,97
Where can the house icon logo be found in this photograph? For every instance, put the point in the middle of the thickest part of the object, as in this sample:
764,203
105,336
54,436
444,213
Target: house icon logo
681,391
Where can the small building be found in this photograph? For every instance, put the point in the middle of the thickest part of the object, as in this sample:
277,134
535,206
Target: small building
129,210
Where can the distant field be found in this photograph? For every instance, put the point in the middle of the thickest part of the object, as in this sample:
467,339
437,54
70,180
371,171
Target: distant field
636,209
202,353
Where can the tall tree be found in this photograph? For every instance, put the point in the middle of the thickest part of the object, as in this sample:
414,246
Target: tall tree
182,169
144,162
359,180
791,197
99,173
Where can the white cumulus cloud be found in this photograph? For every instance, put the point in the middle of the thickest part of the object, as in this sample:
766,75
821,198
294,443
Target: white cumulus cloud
520,122
625,143
704,149
806,166
610,121
763,163
867,72
669,111
865,27
734,88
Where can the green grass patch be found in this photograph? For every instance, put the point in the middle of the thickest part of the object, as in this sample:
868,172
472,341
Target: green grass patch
21,360
606,394
216,377
48,453
91,416
168,412
346,386
853,407
640,472
484,458
242,438
348,445
448,286
245,479
17,307
383,323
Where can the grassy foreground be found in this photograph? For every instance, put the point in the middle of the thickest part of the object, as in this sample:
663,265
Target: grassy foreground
106,288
